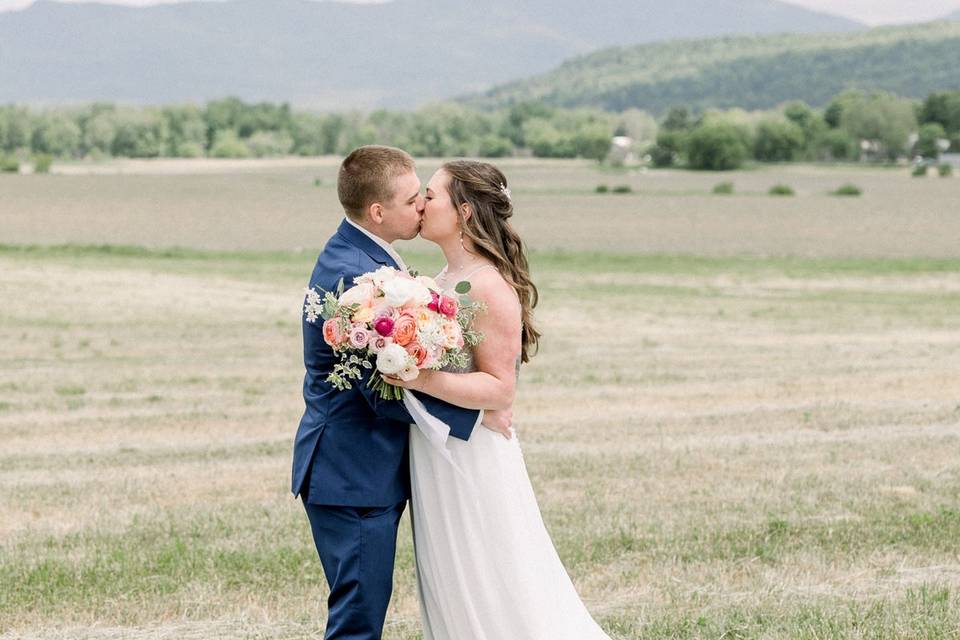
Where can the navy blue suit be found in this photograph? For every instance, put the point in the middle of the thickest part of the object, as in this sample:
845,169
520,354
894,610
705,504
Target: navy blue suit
350,460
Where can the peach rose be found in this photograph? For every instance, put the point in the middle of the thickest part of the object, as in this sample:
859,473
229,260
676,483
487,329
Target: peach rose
331,332
404,329
363,315
416,350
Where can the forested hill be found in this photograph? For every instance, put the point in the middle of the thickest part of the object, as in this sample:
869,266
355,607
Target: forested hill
749,72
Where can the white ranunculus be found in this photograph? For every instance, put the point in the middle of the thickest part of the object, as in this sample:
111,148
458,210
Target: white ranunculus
358,294
392,359
408,373
401,291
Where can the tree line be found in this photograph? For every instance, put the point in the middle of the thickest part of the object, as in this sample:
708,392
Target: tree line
854,125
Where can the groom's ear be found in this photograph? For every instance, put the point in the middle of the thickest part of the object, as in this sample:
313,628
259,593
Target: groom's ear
375,211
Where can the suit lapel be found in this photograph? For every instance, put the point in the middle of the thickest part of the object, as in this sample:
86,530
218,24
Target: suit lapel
357,238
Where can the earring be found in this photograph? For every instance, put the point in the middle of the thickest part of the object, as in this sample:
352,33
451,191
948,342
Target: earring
461,240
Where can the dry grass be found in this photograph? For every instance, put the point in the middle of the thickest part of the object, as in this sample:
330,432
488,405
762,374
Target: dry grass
264,205
752,451
766,448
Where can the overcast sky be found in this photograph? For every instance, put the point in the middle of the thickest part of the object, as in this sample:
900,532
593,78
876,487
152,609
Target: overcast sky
870,11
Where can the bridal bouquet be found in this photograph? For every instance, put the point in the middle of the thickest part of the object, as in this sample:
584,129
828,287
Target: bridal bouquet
401,322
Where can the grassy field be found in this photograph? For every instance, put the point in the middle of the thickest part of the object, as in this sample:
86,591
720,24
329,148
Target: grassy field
762,447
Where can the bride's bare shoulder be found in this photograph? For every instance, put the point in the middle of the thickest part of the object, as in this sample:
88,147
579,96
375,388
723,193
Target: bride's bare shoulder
490,287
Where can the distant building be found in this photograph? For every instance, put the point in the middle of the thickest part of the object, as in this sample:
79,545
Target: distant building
621,152
952,159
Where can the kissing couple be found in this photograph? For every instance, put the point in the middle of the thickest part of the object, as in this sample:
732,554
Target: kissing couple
486,567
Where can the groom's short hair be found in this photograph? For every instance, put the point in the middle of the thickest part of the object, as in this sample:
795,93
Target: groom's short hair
366,176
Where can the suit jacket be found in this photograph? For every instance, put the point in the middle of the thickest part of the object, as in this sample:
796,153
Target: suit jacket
351,447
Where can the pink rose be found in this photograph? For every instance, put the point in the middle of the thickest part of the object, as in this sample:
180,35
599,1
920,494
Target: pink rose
384,326
359,337
378,343
448,306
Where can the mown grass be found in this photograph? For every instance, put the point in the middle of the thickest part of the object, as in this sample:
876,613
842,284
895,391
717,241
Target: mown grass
765,448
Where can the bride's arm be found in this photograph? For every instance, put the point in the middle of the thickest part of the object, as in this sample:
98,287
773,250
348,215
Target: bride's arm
493,385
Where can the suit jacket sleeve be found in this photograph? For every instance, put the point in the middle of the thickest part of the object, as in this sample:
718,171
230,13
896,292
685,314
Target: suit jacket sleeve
461,421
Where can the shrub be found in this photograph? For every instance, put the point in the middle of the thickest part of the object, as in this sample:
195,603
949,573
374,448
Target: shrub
716,146
723,188
778,141
42,163
622,188
602,188
919,171
781,190
9,164
945,170
848,190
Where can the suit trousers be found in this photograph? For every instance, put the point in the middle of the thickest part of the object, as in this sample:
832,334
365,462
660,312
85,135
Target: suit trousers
357,548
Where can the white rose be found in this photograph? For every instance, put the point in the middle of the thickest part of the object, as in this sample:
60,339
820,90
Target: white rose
401,291
408,373
392,359
383,275
359,294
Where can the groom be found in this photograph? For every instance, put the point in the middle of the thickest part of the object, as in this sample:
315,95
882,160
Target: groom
350,455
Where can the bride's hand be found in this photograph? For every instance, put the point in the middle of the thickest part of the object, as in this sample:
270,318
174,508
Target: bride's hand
417,384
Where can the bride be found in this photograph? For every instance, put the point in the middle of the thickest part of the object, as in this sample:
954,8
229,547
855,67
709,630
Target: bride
486,567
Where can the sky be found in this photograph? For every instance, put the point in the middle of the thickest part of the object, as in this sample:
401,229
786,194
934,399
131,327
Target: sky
872,12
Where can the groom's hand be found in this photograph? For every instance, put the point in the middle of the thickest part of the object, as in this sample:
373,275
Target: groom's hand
499,422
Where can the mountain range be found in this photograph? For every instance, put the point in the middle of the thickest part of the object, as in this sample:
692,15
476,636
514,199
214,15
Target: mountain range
749,72
341,56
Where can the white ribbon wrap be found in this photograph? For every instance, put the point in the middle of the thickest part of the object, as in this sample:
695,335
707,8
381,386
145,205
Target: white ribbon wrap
436,431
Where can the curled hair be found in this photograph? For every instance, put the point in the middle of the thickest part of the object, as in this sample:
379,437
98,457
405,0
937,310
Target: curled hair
484,188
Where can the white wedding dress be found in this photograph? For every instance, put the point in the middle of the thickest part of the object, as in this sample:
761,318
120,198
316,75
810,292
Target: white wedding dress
486,567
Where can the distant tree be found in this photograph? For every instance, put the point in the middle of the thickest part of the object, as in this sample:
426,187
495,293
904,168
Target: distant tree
716,146
227,144
638,125
15,128
670,147
222,115
140,133
880,117
778,141
56,133
518,115
546,141
837,144
944,109
810,122
677,119
186,131
495,146
270,143
99,130
928,140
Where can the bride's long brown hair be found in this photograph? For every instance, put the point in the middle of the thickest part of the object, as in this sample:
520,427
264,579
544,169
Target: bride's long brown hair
484,188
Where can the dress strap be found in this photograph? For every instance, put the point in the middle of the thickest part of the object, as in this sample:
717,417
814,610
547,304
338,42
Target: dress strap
480,268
